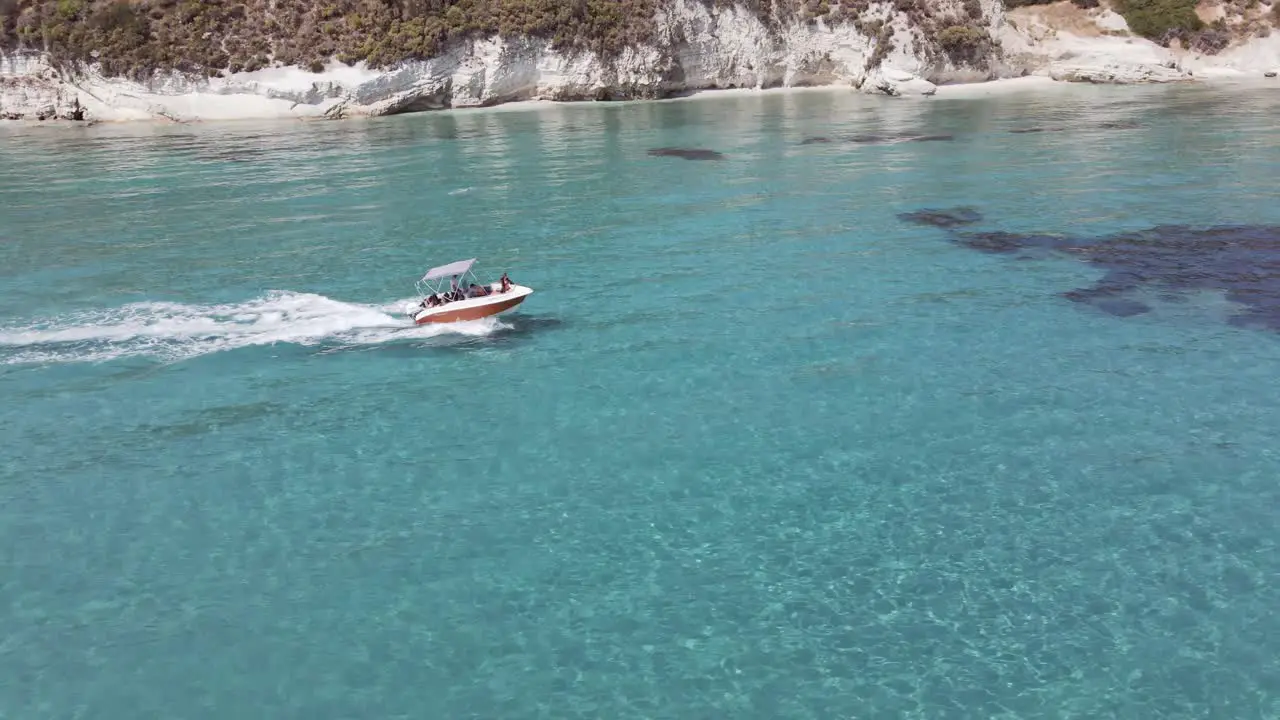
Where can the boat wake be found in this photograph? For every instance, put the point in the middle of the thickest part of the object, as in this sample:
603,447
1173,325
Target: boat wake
175,331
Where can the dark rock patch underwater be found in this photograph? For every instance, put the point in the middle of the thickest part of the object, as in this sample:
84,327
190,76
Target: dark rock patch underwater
687,153
895,138
876,139
1241,261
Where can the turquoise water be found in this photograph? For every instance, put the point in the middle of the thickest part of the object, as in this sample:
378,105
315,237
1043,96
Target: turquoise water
754,448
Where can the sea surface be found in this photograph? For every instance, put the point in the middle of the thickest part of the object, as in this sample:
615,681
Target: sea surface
756,447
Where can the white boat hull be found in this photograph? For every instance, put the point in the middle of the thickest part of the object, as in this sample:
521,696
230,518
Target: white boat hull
471,308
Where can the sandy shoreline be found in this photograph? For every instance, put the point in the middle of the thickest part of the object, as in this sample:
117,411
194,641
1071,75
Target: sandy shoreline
988,88
975,90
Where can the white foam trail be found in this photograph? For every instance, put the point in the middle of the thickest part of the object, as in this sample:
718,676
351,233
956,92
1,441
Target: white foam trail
174,331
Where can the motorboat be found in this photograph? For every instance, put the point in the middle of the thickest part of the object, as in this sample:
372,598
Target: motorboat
465,297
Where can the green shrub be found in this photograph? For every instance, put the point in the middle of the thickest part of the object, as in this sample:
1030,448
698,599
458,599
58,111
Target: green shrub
963,44
881,33
1160,19
1211,41
8,22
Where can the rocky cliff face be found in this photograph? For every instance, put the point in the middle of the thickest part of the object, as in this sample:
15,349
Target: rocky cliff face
887,49
696,47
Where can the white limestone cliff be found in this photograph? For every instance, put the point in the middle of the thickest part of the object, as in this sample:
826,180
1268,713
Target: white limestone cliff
698,48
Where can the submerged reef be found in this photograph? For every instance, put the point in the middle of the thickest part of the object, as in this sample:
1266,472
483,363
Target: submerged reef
1241,261
686,153
875,139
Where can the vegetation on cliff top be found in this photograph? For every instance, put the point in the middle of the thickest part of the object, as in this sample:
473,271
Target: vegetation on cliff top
1149,18
137,37
1166,21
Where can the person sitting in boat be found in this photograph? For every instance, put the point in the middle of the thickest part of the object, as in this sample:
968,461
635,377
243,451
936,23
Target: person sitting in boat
477,291
506,283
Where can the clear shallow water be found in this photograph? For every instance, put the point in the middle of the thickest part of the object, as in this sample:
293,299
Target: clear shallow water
754,448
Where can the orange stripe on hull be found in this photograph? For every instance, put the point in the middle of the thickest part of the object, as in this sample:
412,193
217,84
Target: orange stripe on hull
472,313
